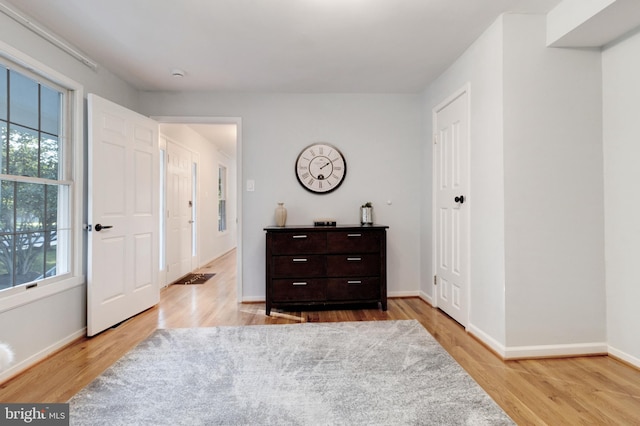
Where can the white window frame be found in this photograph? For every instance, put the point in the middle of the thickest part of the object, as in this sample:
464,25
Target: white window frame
222,182
74,159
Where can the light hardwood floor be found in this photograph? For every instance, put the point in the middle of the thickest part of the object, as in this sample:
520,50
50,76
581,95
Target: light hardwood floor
572,391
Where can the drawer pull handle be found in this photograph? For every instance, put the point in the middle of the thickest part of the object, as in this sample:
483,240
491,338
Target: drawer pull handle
300,260
300,283
299,236
354,282
354,259
354,235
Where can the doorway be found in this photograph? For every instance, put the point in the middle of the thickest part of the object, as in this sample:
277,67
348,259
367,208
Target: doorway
207,144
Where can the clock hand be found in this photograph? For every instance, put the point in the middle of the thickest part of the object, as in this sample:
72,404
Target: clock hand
322,167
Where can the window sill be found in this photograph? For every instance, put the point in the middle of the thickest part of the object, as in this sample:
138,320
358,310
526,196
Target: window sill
22,295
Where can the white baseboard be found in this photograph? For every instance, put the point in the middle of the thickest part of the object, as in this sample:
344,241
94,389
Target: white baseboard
624,357
556,351
261,299
486,339
424,296
403,294
39,356
538,351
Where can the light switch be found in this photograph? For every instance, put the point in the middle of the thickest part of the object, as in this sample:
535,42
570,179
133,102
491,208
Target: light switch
251,185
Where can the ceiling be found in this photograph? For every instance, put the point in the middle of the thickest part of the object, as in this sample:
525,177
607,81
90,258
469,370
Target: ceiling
223,135
286,46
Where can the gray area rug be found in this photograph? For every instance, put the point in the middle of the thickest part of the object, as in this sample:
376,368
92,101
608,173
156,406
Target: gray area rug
349,373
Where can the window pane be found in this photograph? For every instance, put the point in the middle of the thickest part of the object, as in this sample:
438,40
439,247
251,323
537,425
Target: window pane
50,110
3,145
23,100
49,157
51,219
3,93
29,207
6,206
23,152
29,257
6,261
59,246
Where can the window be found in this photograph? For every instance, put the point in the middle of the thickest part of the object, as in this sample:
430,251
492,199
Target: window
35,185
222,198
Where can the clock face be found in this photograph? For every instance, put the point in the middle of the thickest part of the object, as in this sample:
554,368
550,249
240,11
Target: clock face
321,168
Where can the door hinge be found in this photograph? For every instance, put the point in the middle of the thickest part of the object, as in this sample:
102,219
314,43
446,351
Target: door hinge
435,139
435,280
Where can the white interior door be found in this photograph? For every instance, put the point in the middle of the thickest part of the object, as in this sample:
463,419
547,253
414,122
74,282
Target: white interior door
180,206
123,259
451,194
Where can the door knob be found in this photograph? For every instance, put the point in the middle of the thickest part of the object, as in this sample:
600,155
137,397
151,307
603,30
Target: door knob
459,199
99,227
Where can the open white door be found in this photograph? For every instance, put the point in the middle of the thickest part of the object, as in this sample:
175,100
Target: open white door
123,193
451,207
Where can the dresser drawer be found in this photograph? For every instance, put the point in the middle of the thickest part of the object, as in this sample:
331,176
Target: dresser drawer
298,242
298,266
346,265
303,290
353,242
344,289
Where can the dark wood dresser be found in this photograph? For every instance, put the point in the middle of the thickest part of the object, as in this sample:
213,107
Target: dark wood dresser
326,265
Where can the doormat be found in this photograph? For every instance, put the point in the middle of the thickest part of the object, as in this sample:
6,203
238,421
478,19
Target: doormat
194,279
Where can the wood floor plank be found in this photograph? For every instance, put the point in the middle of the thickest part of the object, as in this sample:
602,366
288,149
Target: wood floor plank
571,391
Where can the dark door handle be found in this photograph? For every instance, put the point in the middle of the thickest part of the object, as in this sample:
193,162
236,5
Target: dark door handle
99,227
459,199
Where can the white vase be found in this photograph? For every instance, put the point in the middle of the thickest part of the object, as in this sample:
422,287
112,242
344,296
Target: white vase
281,215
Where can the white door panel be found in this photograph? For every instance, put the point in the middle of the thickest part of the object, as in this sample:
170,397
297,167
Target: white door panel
451,154
123,258
179,211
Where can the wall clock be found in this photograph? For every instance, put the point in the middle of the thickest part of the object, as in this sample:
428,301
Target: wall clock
321,168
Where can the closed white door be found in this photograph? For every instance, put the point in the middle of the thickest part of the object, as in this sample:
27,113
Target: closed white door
123,259
451,199
180,208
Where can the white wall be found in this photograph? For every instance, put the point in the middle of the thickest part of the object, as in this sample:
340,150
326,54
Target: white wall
481,67
36,329
621,95
554,216
537,259
211,242
379,135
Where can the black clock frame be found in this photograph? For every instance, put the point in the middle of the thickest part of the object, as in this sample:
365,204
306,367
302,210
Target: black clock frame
344,160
